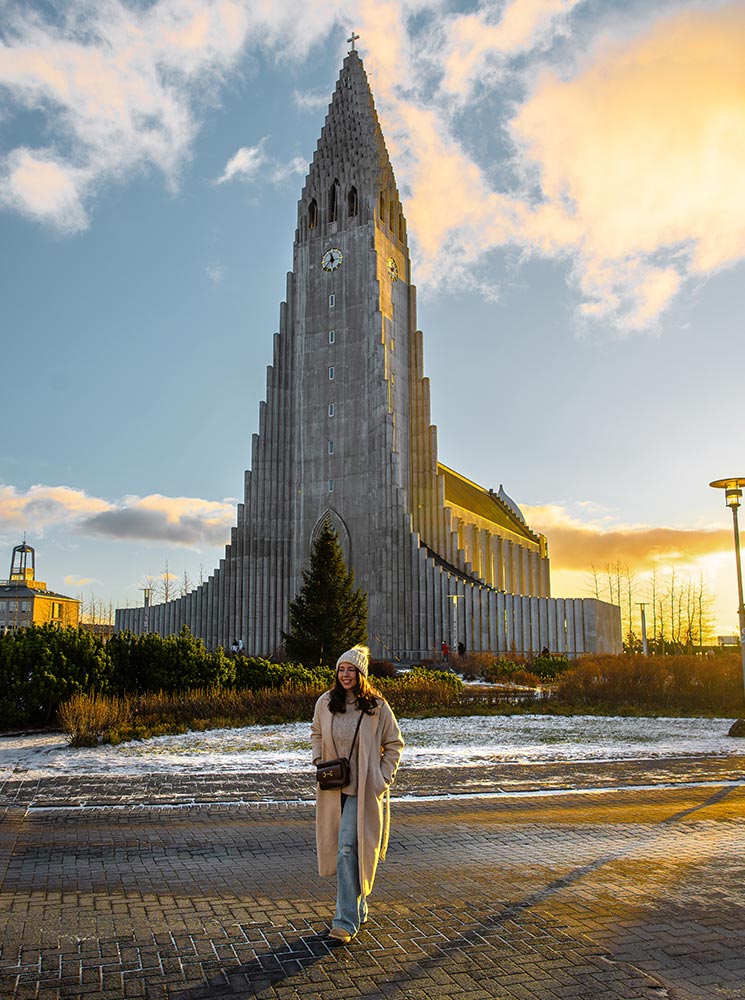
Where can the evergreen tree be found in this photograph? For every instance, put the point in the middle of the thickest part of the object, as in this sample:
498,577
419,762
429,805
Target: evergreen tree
328,615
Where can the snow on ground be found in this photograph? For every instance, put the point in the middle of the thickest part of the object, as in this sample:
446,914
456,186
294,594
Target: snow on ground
448,742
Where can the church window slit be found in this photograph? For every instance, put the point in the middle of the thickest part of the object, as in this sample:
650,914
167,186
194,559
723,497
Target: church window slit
331,485
382,206
331,373
332,336
332,301
312,214
331,447
331,409
392,215
352,206
401,228
333,198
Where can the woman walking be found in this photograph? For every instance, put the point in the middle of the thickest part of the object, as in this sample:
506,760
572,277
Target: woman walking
352,823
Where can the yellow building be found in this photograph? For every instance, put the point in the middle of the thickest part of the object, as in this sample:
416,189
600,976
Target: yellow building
25,601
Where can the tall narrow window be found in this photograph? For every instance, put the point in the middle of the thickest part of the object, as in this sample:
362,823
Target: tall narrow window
331,485
331,447
333,201
352,202
382,206
392,216
401,228
332,337
332,301
331,373
331,409
312,214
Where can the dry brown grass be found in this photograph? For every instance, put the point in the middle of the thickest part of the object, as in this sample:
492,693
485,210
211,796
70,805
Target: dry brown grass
85,718
683,684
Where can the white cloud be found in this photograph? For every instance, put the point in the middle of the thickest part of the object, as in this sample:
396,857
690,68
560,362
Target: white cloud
121,87
174,520
576,543
42,507
627,146
251,163
626,156
245,164
215,273
79,581
475,47
296,167
47,191
308,100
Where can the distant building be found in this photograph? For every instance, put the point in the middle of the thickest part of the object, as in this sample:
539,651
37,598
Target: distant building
25,601
728,640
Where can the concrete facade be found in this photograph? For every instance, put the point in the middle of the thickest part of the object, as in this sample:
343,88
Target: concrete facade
345,434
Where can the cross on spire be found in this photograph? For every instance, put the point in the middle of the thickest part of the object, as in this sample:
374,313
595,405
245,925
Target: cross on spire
353,39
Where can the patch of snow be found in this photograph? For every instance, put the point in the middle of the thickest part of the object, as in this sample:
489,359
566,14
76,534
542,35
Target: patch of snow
440,742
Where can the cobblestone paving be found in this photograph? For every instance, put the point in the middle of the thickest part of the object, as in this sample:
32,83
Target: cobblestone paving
199,889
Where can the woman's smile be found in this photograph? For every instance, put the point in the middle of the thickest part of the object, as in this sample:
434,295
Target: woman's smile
347,675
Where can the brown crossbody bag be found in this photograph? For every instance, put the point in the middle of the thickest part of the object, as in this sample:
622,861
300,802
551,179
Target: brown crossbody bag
335,773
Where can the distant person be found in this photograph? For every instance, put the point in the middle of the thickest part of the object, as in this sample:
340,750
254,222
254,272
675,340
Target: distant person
234,647
240,646
545,652
445,650
352,823
461,649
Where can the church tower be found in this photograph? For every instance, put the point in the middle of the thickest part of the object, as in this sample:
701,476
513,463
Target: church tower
345,435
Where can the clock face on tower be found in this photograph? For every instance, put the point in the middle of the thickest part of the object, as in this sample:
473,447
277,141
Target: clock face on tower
393,269
331,259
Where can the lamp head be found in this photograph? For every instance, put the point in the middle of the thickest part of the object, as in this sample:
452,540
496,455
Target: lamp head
732,490
732,496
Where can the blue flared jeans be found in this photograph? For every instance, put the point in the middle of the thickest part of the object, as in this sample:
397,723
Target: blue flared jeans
351,906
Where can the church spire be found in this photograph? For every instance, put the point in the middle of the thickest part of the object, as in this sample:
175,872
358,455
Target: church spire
350,181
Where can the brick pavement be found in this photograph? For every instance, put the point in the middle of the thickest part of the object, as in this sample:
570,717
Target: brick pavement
199,889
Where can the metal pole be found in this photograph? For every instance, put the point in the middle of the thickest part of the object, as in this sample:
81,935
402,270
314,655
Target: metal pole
645,648
740,607
146,615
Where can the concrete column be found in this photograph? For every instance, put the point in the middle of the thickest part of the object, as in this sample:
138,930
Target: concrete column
535,638
571,637
551,618
579,625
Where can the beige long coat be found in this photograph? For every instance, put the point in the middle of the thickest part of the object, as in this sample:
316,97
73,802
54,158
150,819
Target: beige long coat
379,743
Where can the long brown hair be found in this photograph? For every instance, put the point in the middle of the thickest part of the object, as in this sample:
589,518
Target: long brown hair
367,695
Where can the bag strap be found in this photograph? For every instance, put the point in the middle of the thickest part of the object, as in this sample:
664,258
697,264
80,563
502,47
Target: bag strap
351,751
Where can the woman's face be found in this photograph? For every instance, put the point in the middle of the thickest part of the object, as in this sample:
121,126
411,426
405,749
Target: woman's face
347,674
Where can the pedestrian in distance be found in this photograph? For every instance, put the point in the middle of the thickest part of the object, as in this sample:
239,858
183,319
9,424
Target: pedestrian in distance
445,650
353,720
461,649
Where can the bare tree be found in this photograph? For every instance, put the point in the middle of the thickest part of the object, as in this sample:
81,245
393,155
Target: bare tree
681,606
167,584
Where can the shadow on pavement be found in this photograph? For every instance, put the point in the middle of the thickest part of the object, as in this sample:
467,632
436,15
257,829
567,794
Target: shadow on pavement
304,951
266,970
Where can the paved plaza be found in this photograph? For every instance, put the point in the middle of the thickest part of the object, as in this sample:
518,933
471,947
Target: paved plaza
620,880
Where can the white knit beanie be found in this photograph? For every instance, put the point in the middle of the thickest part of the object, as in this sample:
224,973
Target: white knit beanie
358,656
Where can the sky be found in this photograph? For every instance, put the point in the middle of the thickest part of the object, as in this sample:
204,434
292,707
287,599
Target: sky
571,174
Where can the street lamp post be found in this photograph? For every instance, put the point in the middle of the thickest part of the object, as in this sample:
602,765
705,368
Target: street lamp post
645,648
454,620
146,616
732,495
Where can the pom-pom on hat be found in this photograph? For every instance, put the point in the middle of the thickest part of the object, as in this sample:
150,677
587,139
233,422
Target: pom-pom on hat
358,656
